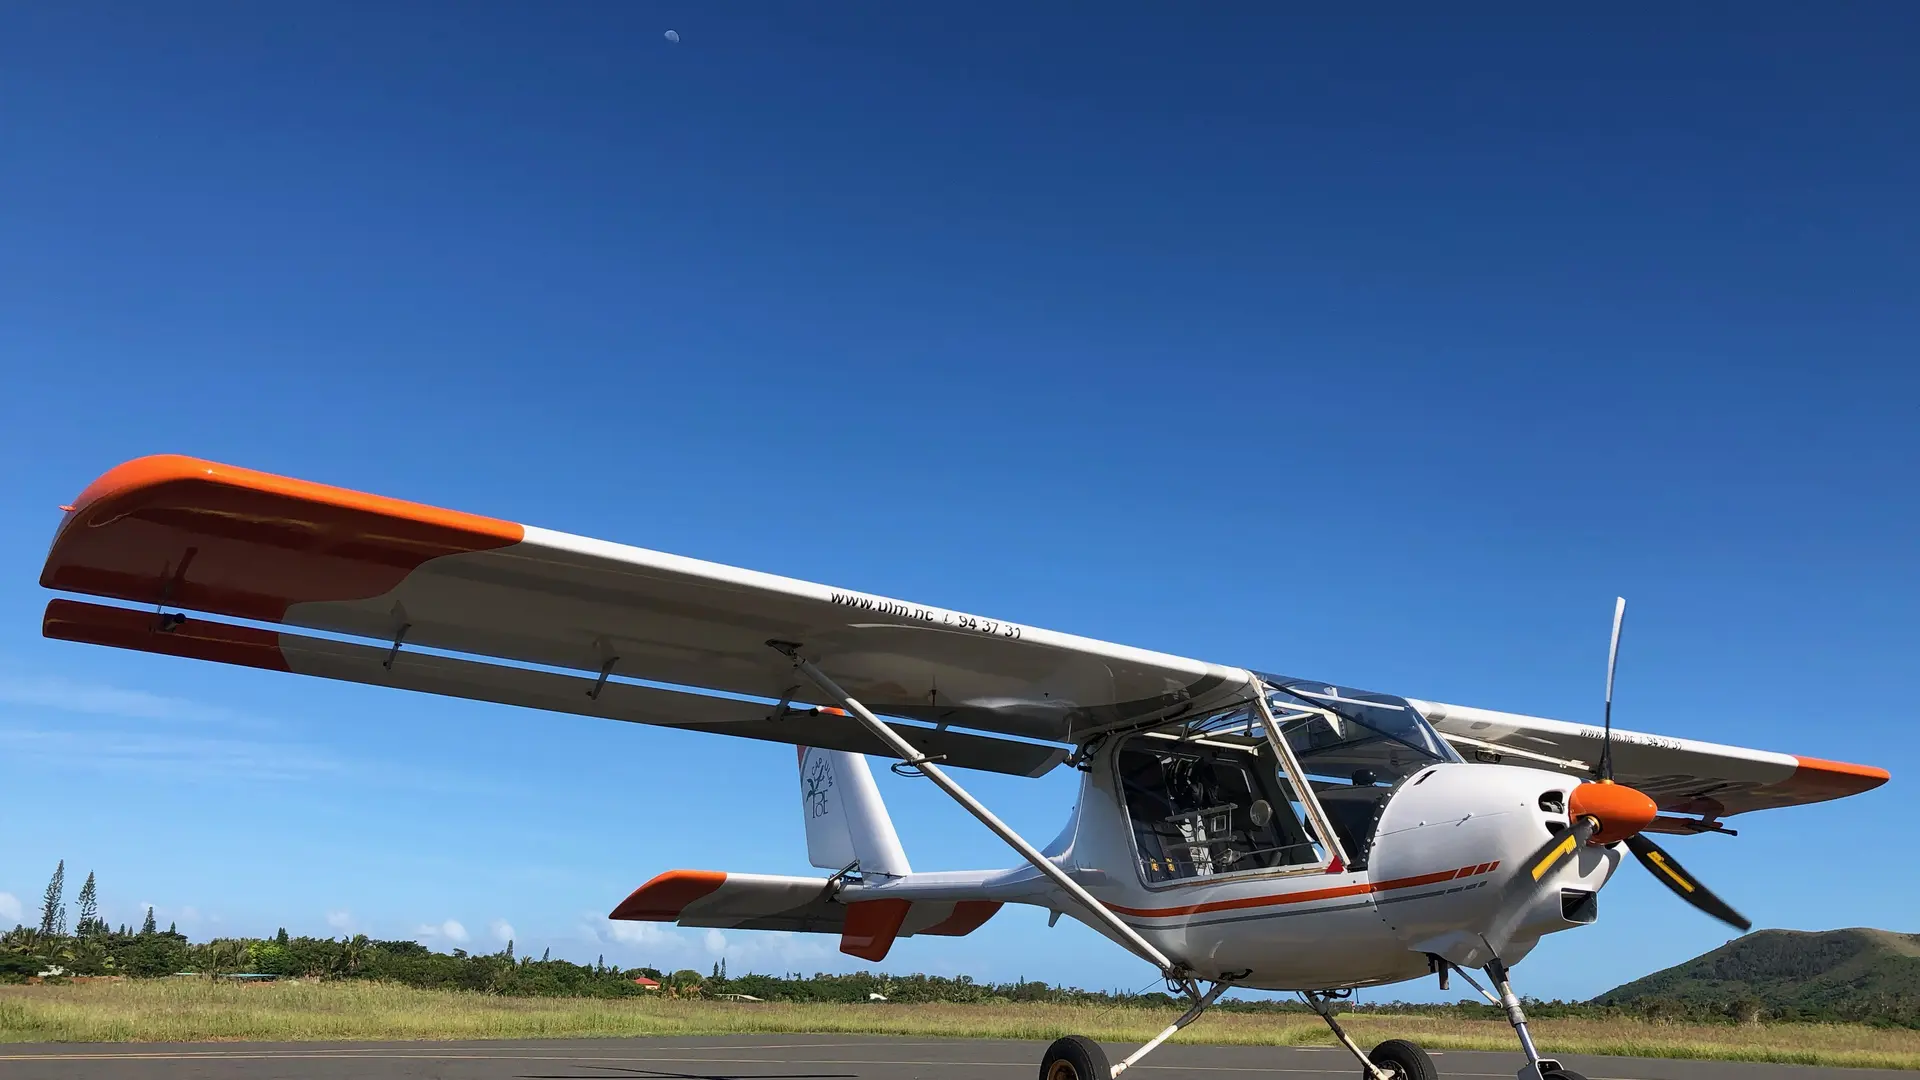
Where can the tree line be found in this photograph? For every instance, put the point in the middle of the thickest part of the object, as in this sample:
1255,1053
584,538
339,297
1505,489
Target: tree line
91,947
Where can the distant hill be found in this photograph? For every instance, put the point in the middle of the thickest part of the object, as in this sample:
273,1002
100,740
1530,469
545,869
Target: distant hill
1856,974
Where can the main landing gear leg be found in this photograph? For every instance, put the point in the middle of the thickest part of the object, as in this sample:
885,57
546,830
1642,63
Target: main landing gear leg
1537,1067
1395,1059
1201,1003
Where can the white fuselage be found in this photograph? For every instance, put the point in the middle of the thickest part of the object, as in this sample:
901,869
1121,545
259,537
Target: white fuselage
1447,842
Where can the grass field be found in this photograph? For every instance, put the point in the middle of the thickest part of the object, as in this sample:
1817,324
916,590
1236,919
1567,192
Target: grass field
196,1010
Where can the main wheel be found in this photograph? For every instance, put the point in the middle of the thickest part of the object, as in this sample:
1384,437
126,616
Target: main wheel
1562,1074
1077,1057
1403,1061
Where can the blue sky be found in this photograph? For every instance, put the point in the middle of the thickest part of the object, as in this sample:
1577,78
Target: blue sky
1385,351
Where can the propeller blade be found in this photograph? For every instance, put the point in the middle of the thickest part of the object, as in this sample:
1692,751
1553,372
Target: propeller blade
1685,885
1613,662
1524,883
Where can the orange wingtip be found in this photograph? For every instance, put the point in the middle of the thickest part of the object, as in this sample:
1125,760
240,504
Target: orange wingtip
1816,779
666,896
218,538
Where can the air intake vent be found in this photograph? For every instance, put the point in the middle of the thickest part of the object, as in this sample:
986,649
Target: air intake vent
1554,802
1579,906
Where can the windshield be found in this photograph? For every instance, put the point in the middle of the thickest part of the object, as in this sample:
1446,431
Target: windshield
1353,737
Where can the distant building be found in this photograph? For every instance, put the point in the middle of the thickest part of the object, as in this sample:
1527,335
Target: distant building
645,983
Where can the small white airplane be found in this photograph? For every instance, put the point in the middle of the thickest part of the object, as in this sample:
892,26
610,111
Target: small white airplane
1233,828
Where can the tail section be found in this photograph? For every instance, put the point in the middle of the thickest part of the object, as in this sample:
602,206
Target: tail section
867,927
847,824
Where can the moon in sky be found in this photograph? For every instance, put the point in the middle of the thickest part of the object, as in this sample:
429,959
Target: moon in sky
673,36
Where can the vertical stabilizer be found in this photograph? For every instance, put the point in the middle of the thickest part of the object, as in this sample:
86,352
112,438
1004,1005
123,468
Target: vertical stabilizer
846,821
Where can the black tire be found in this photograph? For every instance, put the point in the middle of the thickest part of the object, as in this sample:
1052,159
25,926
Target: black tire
1562,1074
1403,1060
1075,1057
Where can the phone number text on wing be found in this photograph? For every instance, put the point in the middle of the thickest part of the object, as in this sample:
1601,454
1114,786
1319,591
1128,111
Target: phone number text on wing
895,608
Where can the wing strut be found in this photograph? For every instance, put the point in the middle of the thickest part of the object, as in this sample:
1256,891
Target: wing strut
914,758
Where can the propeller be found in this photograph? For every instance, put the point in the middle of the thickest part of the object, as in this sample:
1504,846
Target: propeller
1684,885
1603,813
1613,662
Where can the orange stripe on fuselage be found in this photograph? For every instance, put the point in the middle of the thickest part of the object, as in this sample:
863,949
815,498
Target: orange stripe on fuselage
1306,895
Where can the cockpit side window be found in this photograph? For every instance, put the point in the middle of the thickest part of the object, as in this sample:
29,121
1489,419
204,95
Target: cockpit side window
1356,748
1201,809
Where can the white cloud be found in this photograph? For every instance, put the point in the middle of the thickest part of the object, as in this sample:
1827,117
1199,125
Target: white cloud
114,731
168,752
97,700
642,933
502,929
716,942
340,920
9,908
451,930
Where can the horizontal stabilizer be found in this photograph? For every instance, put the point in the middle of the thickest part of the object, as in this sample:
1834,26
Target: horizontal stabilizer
797,904
247,646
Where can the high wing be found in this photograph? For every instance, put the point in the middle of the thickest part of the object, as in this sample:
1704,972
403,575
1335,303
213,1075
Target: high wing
411,582
458,604
1682,775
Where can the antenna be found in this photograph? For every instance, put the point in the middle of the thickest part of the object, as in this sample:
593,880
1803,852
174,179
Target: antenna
1613,661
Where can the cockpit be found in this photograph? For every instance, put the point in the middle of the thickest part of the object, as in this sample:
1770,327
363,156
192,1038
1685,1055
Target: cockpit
1212,795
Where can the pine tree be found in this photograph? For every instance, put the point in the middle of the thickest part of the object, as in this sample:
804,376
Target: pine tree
281,937
509,948
147,928
53,910
89,909
546,954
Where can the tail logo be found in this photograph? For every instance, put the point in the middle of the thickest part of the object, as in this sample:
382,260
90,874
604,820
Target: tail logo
818,781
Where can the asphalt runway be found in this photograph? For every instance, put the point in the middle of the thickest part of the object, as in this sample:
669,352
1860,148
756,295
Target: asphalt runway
778,1057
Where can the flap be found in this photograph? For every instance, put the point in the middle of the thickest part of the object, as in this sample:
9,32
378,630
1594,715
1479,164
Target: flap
773,902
